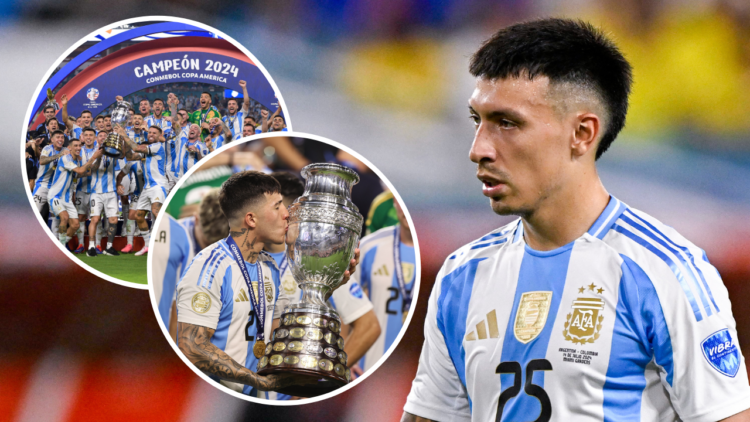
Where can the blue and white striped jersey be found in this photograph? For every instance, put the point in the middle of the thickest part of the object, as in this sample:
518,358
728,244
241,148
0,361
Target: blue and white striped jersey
64,179
172,255
135,170
46,172
162,123
377,276
104,179
84,183
189,159
218,141
235,124
76,132
628,322
188,223
213,294
155,167
140,137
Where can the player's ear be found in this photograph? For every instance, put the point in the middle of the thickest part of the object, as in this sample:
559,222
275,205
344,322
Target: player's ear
251,219
587,131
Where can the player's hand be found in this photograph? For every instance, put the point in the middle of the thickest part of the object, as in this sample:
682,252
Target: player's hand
204,125
356,371
65,151
192,148
120,190
168,118
243,84
352,267
118,98
64,100
264,114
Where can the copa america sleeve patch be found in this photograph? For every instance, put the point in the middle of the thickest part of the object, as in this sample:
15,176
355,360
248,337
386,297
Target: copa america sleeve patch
202,303
355,290
721,352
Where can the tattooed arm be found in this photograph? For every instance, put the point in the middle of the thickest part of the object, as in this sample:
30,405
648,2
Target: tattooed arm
46,160
129,142
195,343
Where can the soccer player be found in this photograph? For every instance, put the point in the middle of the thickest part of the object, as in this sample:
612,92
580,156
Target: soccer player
47,165
218,134
387,275
192,150
158,117
217,331
235,118
155,180
129,187
99,123
144,108
104,200
583,308
49,113
248,129
84,186
61,194
108,123
204,114
354,308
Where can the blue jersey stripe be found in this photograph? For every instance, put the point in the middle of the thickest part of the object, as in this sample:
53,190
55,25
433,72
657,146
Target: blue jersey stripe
176,265
676,256
452,310
206,264
540,271
609,216
221,335
492,236
397,307
676,271
484,245
222,257
686,252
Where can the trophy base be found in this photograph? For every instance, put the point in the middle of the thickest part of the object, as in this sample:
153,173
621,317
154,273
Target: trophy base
307,343
320,387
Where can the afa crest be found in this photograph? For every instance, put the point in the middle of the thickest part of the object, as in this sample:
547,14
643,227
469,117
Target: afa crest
531,315
585,322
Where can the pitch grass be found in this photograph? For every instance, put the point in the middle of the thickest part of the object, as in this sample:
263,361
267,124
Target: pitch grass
127,267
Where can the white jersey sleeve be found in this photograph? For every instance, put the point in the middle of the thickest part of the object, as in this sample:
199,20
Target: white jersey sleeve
350,301
199,291
437,392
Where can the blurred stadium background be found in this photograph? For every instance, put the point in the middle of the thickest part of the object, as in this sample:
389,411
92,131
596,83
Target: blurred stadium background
388,79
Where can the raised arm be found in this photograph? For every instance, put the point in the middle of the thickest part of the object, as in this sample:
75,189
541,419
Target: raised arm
264,121
64,103
173,101
246,97
195,342
129,142
46,160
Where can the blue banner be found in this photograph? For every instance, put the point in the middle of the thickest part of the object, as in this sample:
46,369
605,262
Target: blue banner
172,67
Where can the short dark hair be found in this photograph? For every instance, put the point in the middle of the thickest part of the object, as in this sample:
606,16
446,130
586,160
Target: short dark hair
108,116
158,99
236,101
51,119
156,127
213,223
99,117
291,185
563,50
245,189
280,117
57,132
207,93
87,129
47,108
85,111
74,140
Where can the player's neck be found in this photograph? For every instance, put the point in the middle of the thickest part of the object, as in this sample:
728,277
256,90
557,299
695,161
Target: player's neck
206,107
274,247
199,238
565,216
157,116
405,235
248,242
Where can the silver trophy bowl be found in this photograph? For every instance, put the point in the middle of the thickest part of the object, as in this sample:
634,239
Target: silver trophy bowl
324,230
113,145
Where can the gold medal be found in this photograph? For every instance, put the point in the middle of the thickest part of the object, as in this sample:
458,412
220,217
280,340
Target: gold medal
259,348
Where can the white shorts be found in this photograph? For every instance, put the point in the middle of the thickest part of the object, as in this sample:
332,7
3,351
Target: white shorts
57,206
82,202
150,196
127,185
40,197
106,202
171,181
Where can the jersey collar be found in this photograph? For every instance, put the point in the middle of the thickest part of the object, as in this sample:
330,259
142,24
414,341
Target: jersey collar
607,218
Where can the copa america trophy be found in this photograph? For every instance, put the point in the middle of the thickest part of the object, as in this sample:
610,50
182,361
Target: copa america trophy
114,143
324,230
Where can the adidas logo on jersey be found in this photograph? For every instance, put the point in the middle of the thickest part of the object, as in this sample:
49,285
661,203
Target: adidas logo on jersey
481,330
242,296
382,271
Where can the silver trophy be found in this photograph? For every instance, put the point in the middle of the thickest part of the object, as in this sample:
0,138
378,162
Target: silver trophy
114,143
324,230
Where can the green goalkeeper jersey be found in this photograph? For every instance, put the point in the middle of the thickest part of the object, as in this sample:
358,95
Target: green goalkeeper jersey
200,116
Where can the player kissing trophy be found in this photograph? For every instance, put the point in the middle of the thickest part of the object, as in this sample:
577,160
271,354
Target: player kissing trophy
114,144
324,230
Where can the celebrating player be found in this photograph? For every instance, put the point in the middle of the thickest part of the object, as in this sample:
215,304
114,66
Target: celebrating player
218,134
155,181
387,275
61,192
144,108
214,331
192,150
204,114
584,308
84,186
235,118
104,200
